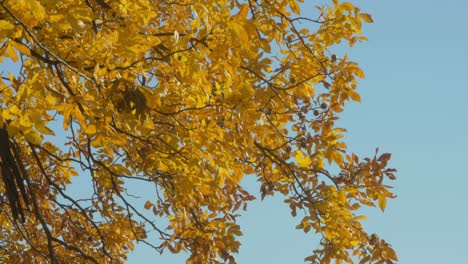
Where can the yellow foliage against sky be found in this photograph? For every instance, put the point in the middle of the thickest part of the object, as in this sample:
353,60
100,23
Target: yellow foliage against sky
188,96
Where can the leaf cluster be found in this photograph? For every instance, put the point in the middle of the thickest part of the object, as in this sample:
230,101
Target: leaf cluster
187,97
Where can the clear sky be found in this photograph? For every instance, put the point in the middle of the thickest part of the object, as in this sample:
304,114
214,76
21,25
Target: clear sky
414,106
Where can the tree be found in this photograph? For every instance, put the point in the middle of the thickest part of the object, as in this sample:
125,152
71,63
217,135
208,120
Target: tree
187,96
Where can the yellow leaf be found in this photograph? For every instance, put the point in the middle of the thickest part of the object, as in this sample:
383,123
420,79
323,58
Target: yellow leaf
11,53
224,172
35,116
342,197
55,18
303,160
382,202
238,30
359,73
244,10
76,112
347,6
246,91
44,130
148,205
32,136
25,121
21,48
11,77
391,253
360,217
51,100
294,7
90,130
67,116
6,114
37,9
14,109
6,25
148,124
355,96
336,157
366,18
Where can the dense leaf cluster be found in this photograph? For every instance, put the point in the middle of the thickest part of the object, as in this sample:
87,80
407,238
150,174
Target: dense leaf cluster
189,97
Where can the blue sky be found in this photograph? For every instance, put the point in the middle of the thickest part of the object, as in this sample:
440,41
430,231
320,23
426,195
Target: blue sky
414,106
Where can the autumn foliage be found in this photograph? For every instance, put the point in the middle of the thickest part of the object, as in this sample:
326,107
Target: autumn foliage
188,97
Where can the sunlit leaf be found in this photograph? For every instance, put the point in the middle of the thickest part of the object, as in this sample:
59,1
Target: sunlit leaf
303,160
382,202
32,136
366,17
90,130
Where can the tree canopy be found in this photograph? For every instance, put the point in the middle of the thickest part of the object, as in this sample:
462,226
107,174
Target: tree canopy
188,97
